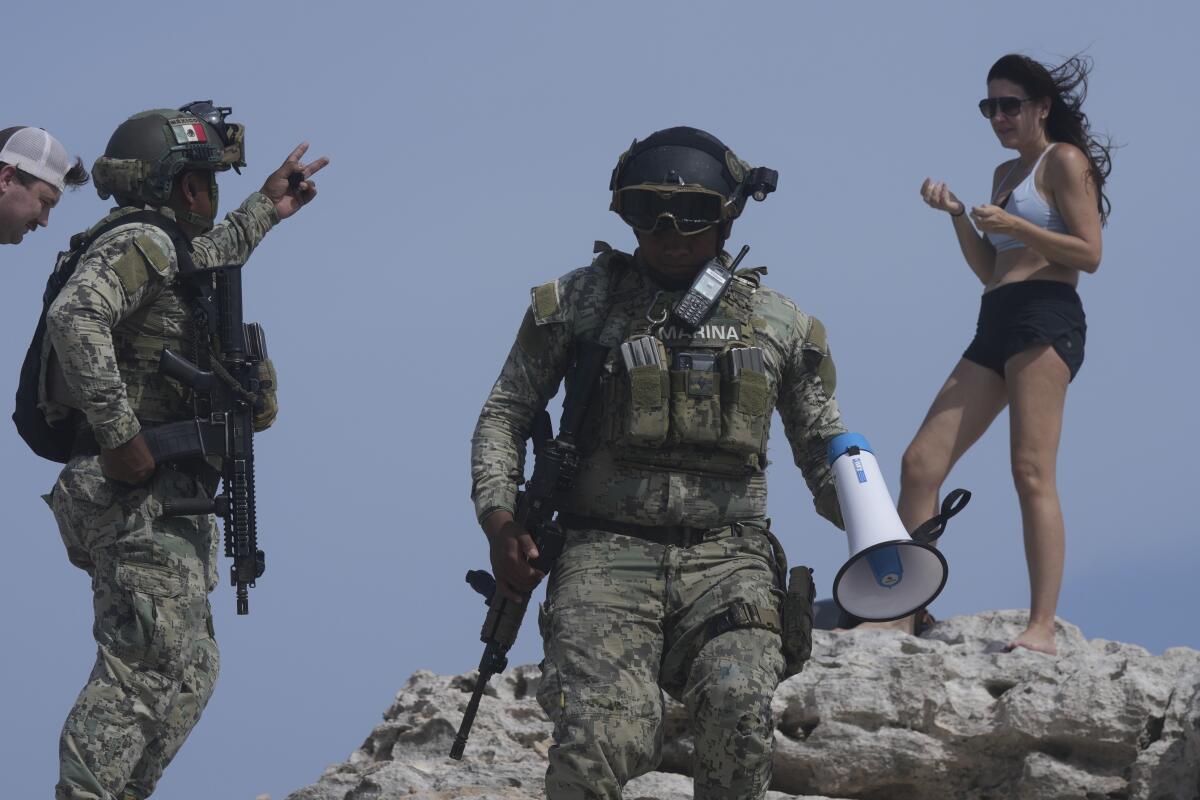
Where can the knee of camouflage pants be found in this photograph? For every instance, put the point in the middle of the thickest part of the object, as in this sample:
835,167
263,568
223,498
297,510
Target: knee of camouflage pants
729,692
182,715
607,715
600,742
78,782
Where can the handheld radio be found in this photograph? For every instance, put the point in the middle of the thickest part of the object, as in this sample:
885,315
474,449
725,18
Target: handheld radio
705,292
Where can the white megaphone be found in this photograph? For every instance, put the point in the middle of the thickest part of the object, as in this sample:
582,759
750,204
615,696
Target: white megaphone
890,574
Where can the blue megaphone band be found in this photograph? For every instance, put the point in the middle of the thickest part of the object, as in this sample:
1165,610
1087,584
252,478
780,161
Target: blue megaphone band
839,444
885,565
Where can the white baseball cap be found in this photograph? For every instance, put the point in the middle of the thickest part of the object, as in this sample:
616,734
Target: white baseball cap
36,152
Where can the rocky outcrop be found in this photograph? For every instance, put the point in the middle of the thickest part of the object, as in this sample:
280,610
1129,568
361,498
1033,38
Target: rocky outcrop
876,715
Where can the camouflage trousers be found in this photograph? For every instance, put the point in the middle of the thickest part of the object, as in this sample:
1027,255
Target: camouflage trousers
625,619
156,661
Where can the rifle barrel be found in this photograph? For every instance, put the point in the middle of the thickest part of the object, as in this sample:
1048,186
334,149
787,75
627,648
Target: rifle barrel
464,729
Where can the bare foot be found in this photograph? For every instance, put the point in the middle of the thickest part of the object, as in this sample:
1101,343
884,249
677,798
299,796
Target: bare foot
1038,639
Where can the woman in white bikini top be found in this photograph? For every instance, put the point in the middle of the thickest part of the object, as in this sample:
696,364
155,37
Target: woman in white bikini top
1026,202
1049,228
1037,235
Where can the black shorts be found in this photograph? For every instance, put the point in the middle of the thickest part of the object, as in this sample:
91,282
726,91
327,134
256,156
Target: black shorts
1017,316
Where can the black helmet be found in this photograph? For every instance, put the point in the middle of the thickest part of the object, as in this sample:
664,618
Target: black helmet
687,176
149,150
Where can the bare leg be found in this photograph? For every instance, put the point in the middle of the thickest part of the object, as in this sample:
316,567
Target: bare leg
1037,388
962,410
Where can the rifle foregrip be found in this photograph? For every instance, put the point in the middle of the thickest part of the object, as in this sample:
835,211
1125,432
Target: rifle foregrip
188,507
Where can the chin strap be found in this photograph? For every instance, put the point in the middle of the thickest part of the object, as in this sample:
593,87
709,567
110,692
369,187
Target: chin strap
205,224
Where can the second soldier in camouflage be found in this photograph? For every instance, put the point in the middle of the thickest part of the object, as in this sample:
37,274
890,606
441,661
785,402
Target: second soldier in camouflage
156,659
669,579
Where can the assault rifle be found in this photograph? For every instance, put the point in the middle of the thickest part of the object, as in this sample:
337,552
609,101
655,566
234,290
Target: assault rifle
556,464
225,391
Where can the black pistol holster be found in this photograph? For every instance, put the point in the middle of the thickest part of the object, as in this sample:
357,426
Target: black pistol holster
796,610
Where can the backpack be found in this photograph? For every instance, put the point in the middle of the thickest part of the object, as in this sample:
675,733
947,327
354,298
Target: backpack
54,442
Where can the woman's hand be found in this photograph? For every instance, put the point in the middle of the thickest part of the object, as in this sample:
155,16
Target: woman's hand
993,219
937,195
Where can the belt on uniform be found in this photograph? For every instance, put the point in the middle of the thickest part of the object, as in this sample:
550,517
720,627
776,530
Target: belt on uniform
677,535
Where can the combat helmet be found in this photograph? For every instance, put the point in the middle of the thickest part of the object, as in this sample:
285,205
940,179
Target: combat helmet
684,177
148,151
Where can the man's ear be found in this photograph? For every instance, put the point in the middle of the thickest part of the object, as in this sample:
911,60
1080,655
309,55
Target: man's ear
8,176
189,188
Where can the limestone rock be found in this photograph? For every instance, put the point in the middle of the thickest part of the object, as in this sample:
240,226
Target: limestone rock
876,715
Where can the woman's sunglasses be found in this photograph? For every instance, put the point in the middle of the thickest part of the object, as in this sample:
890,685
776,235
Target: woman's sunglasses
1008,106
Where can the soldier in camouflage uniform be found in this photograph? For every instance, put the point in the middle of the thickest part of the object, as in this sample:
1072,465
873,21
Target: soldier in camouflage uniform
669,576
157,660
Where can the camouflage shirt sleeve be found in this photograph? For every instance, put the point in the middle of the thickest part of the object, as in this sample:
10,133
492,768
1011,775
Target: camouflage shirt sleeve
121,272
236,236
809,411
530,377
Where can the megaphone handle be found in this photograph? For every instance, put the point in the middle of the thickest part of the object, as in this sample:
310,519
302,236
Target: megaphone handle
951,504
929,531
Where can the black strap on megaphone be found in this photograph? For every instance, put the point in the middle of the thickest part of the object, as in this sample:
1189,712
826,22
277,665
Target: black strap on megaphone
928,532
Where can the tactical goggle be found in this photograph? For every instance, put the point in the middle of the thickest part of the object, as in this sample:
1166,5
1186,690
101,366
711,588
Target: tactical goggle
689,209
232,135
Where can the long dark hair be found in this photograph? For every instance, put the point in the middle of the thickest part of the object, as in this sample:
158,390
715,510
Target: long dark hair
1066,88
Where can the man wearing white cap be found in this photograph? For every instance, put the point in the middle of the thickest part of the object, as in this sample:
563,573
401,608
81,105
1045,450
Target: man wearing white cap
34,170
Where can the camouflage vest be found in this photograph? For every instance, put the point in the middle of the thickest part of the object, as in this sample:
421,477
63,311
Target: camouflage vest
139,339
691,412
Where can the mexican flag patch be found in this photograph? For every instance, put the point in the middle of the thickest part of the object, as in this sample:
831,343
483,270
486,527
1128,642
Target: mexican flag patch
186,132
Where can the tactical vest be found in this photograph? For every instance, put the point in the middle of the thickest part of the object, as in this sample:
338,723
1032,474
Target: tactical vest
46,418
692,411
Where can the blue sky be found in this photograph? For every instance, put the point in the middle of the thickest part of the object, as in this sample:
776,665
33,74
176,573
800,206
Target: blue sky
471,147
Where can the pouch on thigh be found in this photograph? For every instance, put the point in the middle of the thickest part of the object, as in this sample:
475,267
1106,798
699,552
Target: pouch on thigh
144,616
90,510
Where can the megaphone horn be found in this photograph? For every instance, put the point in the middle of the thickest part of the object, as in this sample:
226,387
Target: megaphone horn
889,574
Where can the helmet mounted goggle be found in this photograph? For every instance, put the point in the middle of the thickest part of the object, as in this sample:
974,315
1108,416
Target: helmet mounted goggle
232,135
686,179
690,209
